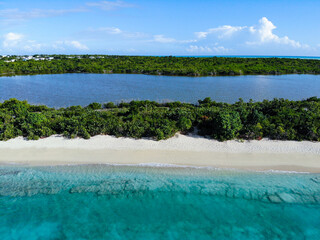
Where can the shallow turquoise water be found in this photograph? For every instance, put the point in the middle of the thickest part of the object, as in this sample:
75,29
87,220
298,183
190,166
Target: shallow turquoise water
126,202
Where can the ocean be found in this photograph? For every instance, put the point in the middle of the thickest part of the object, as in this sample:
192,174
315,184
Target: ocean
147,202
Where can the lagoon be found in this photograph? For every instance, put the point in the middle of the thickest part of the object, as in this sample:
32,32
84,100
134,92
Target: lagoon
62,90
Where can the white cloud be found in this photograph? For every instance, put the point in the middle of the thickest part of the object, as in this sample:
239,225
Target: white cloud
264,33
206,49
201,34
117,34
62,45
8,16
16,41
11,39
109,5
78,45
188,41
162,39
265,30
103,32
13,15
252,35
32,46
111,30
222,32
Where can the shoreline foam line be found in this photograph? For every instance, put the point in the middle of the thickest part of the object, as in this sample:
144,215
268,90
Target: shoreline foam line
160,166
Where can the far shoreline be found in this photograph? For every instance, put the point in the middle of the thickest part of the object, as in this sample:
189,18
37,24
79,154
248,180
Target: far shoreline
180,150
140,64
164,75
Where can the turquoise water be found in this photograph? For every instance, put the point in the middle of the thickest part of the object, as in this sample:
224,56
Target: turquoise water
61,90
127,202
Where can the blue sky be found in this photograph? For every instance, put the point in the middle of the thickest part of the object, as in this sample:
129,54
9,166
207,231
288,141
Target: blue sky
161,27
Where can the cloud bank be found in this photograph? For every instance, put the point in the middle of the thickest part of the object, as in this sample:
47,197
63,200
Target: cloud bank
246,37
264,33
17,42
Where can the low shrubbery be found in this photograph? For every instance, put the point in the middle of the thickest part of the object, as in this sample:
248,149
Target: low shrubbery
276,119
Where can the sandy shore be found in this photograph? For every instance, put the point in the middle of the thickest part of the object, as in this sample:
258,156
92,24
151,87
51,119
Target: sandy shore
180,150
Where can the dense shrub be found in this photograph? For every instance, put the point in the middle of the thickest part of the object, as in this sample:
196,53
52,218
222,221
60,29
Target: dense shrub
276,119
226,125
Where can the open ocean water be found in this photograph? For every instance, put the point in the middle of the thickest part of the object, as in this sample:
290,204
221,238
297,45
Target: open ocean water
135,202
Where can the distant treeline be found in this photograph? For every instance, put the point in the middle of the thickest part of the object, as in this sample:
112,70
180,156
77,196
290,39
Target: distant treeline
276,119
177,66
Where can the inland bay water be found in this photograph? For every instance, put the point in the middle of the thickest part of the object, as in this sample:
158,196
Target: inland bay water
61,90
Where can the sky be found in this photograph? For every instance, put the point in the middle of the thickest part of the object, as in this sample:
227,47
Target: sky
160,27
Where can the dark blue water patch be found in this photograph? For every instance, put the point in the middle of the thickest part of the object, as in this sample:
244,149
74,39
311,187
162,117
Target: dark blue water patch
122,202
61,90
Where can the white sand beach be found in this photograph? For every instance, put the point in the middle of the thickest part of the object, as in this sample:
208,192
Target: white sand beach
182,150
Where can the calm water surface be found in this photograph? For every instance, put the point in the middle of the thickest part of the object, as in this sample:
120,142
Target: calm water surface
113,202
62,90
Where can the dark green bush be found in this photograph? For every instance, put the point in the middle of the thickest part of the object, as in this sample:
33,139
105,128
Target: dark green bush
276,119
109,105
94,106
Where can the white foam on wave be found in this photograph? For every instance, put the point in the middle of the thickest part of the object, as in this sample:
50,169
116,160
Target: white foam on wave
166,165
283,171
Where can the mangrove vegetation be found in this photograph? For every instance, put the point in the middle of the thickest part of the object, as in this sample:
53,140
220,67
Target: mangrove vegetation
277,119
175,66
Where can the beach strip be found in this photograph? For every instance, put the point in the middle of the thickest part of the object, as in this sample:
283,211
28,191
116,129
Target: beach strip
180,150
